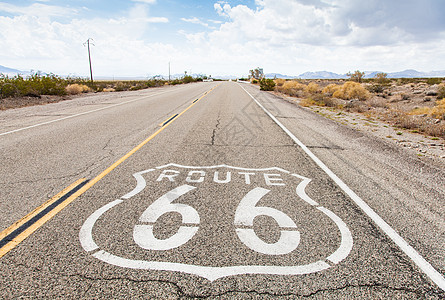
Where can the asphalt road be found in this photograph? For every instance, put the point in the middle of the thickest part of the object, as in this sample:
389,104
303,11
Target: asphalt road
241,195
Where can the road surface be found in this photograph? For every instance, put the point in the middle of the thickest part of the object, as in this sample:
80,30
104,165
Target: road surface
212,190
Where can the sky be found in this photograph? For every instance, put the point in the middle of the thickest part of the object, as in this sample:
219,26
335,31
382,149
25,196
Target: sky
141,37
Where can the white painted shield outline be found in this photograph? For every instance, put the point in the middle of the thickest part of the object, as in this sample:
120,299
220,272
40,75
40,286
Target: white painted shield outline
213,273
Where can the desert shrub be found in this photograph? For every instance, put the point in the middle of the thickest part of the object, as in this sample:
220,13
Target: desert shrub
352,90
312,88
330,89
376,88
74,89
292,88
332,102
435,130
280,81
432,81
108,90
356,76
8,89
121,86
404,96
307,102
33,85
438,111
441,91
254,81
420,111
188,79
356,106
267,84
377,102
292,84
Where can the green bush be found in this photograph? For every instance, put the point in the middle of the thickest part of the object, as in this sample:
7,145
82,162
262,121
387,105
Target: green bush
34,85
267,84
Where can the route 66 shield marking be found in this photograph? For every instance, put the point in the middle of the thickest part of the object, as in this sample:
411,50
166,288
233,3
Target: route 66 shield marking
233,224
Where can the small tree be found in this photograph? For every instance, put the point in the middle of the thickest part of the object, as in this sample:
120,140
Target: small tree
381,78
356,76
267,84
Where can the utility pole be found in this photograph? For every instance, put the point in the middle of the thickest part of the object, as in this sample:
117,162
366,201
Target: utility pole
168,71
89,57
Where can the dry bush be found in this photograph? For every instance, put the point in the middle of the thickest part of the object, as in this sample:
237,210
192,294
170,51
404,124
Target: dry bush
377,102
352,90
312,88
441,91
108,90
295,85
280,81
330,89
356,106
307,102
436,130
292,88
409,122
419,111
438,111
74,89
333,102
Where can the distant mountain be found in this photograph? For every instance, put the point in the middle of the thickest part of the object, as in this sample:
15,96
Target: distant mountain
368,74
321,75
278,75
10,71
406,74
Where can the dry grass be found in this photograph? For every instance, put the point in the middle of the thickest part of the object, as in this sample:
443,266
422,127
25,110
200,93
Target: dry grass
436,112
74,89
419,111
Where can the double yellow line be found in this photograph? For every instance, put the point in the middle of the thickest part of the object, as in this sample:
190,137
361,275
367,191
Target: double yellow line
20,230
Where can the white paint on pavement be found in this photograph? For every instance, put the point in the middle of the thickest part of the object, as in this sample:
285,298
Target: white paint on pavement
143,234
245,213
425,266
86,232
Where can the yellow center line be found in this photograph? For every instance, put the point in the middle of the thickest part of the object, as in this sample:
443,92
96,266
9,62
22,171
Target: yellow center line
24,227
36,211
78,193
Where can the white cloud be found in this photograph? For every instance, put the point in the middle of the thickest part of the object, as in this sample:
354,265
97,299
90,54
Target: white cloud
145,1
39,9
195,20
284,36
338,35
33,41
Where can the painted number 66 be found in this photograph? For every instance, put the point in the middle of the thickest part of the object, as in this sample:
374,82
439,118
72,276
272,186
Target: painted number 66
245,213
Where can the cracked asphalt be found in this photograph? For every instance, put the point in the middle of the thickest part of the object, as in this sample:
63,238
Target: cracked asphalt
230,185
